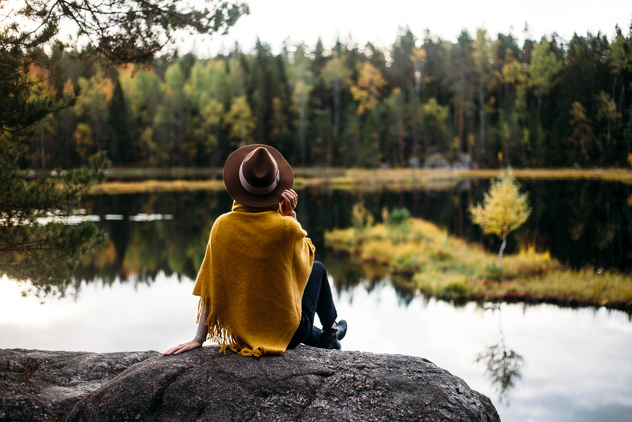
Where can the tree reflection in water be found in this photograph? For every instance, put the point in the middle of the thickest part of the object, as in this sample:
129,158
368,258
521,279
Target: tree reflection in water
569,220
503,366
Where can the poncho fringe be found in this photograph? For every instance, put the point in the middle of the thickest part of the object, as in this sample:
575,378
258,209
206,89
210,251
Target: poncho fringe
222,335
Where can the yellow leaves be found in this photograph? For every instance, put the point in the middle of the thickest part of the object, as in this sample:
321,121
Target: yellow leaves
83,140
581,137
504,208
606,107
300,95
212,112
361,217
630,158
367,90
435,114
418,57
278,121
483,52
578,113
544,67
471,141
618,57
211,115
514,73
69,89
96,94
336,73
147,136
240,121
39,78
206,83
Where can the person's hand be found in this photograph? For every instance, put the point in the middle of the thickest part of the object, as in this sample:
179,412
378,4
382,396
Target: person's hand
290,199
189,345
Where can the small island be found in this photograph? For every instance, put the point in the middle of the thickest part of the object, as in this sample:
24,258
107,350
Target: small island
446,267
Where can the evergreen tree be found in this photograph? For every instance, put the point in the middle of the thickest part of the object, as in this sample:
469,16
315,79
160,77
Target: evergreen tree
543,70
116,31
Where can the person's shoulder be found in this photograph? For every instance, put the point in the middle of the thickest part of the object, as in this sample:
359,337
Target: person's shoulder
290,225
222,219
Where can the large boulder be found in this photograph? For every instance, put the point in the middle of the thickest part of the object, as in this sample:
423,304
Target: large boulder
305,384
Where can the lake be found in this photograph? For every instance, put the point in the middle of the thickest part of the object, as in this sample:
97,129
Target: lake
546,363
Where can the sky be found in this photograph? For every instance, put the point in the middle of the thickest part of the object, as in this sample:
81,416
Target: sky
378,21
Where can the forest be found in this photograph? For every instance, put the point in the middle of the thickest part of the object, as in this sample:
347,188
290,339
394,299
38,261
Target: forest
482,101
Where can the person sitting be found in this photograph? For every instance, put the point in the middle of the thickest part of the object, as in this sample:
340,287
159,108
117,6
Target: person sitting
259,285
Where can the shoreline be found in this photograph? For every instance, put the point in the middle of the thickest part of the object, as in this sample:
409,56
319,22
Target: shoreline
340,178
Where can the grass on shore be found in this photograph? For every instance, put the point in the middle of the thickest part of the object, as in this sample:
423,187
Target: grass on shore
436,179
449,268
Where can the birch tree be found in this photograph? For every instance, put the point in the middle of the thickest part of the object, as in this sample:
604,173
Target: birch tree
337,76
504,209
302,80
483,62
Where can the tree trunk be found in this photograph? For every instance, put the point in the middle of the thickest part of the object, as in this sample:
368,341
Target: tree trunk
415,131
302,134
423,85
435,80
68,133
41,132
481,117
211,155
614,85
400,138
500,258
336,119
242,130
622,97
456,118
462,104
539,146
180,133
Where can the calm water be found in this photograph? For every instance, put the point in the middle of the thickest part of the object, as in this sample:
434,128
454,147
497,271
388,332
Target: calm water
559,364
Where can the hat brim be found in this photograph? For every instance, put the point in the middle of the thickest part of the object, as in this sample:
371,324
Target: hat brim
240,194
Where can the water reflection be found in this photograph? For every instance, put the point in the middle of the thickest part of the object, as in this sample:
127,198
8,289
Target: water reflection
144,247
582,223
503,366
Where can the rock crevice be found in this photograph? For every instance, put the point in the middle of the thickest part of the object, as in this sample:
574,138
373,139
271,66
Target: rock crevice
305,384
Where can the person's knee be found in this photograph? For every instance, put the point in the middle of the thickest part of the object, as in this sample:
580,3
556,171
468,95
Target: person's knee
319,267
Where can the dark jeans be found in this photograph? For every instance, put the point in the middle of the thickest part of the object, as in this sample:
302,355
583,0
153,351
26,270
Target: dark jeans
317,299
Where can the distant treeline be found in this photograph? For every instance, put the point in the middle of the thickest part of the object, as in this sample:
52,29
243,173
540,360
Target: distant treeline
545,103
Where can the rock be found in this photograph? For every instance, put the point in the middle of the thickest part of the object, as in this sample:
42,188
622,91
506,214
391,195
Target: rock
38,385
305,384
460,161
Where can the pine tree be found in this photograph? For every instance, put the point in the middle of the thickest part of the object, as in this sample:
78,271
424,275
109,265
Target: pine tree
116,31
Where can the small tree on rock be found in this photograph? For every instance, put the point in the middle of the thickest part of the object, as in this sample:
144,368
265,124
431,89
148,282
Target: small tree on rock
504,209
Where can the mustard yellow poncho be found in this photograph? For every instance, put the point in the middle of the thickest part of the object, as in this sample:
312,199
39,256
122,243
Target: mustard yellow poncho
252,279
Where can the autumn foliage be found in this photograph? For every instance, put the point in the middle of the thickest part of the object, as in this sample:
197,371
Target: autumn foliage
504,209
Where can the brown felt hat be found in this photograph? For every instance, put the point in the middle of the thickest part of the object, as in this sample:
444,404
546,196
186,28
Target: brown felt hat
256,175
